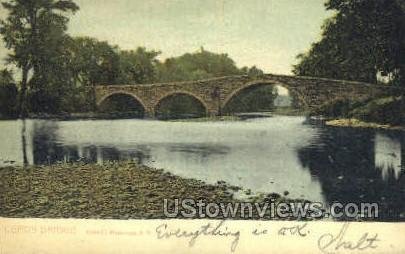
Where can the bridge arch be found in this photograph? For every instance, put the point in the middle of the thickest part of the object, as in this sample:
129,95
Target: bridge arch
293,93
173,94
100,101
130,97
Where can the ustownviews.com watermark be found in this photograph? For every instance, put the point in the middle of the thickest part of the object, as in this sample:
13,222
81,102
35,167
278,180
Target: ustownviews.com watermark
196,209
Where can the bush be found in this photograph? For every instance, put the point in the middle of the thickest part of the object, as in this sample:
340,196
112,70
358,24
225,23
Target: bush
387,110
8,101
336,108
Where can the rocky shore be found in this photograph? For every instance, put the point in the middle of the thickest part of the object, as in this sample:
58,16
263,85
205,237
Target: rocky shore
110,191
355,123
209,119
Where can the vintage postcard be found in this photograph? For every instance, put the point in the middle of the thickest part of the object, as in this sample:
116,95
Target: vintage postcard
202,126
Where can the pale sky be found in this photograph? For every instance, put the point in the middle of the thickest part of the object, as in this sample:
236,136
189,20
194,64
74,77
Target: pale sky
265,33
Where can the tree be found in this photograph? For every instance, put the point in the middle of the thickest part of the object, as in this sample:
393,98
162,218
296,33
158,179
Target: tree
364,38
26,30
6,77
8,94
254,72
138,67
8,100
200,65
94,62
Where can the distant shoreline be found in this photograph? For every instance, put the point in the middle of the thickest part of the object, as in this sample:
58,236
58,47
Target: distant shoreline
69,116
109,116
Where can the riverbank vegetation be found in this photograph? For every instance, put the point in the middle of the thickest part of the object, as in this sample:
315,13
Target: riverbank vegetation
8,95
363,41
382,112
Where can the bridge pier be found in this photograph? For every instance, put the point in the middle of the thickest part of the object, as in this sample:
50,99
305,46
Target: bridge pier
149,114
213,113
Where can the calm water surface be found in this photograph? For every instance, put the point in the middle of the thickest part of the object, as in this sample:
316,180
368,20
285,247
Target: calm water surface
275,154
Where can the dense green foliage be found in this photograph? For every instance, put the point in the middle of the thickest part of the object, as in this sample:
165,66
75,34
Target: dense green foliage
93,62
138,67
336,108
364,38
8,95
199,65
8,100
34,31
387,110
6,77
255,99
384,110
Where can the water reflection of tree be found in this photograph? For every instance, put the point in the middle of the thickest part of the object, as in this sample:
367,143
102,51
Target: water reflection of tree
403,154
343,160
24,142
45,148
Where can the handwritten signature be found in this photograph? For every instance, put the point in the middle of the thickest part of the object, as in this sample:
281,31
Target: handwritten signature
164,232
329,243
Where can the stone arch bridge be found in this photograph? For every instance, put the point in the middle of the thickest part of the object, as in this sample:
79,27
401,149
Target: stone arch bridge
214,94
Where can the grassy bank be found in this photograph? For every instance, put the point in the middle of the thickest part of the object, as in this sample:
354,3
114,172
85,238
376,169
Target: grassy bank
110,191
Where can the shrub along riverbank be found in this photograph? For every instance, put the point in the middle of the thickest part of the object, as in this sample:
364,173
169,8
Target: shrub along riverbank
384,113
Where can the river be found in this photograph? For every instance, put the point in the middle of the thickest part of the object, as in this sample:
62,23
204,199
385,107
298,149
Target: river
281,154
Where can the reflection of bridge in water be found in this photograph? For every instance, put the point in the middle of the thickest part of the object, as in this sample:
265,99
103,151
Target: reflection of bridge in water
215,94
